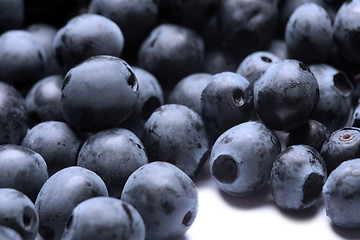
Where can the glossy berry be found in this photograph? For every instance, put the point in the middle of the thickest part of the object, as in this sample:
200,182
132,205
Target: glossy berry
107,100
242,157
85,36
165,197
342,145
18,212
297,177
113,154
341,194
176,134
56,142
61,193
102,218
22,169
285,95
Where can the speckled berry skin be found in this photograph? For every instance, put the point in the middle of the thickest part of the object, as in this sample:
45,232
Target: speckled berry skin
342,145
9,234
22,169
85,36
334,106
18,212
56,142
176,134
61,193
165,197
107,100
113,154
341,194
102,218
242,157
285,95
297,177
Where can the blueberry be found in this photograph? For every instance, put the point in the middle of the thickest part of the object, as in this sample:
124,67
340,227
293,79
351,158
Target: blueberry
309,34
334,106
346,31
165,197
341,194
9,234
312,133
188,91
113,154
13,115
43,100
60,194
11,14
285,95
107,100
297,177
150,97
355,119
171,61
279,48
85,36
242,157
176,134
246,26
18,212
102,218
219,60
22,169
56,142
22,58
225,102
342,145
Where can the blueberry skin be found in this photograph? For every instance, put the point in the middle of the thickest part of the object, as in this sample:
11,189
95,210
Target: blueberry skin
13,115
246,26
22,169
225,102
61,193
113,154
242,157
341,194
334,106
150,97
255,64
22,58
188,91
346,31
285,95
107,100
342,145
11,14
56,142
297,177
18,212
312,133
43,101
170,61
176,134
309,34
9,234
102,218
135,18
165,197
85,36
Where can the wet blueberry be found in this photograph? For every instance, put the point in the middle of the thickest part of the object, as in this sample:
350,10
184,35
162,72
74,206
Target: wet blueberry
113,154
103,218
242,157
165,197
297,177
18,212
61,193
341,194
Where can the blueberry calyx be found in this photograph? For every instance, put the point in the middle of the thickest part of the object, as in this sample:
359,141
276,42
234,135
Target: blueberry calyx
225,169
347,136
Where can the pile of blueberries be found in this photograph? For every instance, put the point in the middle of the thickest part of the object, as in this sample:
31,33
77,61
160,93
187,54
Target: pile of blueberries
110,110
